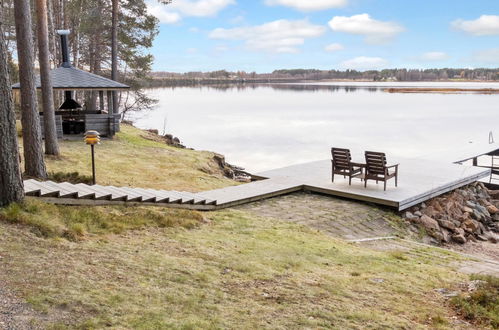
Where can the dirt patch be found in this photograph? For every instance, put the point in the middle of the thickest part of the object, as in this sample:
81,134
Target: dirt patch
15,313
338,217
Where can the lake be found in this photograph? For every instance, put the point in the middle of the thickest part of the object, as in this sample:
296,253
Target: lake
262,127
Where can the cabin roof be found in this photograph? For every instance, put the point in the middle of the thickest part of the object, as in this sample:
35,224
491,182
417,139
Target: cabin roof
72,78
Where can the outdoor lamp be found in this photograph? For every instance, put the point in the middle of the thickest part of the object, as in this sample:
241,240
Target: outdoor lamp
92,138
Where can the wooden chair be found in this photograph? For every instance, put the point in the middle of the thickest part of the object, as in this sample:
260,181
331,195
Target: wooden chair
342,164
376,168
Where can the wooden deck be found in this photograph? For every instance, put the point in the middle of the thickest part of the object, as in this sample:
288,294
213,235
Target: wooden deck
419,180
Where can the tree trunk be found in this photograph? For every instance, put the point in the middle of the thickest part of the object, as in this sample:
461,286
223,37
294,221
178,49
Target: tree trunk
114,51
30,120
11,185
51,144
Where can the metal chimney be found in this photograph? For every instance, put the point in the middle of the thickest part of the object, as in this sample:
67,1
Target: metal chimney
64,48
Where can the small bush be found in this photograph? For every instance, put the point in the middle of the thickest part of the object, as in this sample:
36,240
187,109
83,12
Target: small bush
74,222
482,305
71,177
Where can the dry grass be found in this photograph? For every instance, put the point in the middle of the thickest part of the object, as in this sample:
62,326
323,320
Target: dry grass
132,160
75,223
239,271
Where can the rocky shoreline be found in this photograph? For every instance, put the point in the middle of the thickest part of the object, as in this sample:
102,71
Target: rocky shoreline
230,171
470,213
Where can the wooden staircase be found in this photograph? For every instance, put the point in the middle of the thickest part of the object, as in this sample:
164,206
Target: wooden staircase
83,194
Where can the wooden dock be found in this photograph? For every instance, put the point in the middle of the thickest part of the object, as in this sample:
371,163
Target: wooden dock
419,180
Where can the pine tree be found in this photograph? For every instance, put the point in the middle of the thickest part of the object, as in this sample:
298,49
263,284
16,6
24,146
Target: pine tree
30,120
11,186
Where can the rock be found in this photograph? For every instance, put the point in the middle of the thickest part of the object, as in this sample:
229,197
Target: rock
482,238
437,235
430,224
478,215
458,238
493,238
459,231
408,215
446,237
153,131
492,209
470,226
471,204
423,205
482,210
467,209
494,194
418,214
447,224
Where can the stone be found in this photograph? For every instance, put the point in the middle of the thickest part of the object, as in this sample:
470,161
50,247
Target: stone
483,210
437,235
447,224
418,213
492,209
481,238
470,226
458,238
471,204
467,209
459,231
423,205
493,238
446,237
429,223
410,216
494,194
478,215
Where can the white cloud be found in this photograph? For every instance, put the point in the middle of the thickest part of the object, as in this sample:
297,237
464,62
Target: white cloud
364,63
281,36
374,31
178,9
490,56
308,5
434,56
221,48
237,20
334,47
482,26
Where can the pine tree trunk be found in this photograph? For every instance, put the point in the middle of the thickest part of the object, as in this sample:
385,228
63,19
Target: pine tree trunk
11,185
114,51
30,120
51,144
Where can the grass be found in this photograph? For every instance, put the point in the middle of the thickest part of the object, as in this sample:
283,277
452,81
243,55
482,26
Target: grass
482,305
235,271
135,158
74,223
152,268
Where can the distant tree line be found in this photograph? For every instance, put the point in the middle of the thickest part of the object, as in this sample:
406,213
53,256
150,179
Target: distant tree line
284,75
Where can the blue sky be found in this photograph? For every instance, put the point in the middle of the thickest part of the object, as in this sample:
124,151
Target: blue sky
264,35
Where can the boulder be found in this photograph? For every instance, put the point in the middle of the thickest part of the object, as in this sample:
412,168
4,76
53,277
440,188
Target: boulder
447,224
418,213
494,194
467,209
429,224
408,215
470,226
458,238
492,209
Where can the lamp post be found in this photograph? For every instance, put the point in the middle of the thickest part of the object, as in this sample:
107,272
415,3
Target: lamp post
92,138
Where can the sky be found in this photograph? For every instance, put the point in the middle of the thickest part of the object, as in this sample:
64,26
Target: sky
265,35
